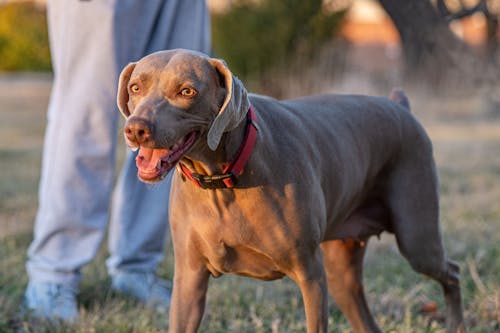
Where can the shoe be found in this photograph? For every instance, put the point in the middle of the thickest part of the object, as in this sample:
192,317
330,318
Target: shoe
146,287
51,301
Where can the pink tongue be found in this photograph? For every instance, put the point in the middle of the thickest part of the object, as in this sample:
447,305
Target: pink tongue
147,158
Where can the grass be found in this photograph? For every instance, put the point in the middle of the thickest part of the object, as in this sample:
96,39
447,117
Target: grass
468,156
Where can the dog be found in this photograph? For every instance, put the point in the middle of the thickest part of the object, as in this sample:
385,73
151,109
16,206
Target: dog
269,188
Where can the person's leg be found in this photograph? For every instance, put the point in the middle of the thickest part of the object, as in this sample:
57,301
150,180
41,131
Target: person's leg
91,42
139,219
78,160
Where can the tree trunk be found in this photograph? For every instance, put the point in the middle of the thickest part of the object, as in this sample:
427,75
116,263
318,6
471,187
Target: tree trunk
430,48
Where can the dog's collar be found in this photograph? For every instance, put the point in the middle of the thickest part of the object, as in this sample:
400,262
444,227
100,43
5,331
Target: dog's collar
234,169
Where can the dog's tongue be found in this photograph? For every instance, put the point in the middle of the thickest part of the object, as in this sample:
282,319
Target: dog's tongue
147,158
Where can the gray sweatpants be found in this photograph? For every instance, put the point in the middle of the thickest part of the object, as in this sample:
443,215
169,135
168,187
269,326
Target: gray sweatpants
91,41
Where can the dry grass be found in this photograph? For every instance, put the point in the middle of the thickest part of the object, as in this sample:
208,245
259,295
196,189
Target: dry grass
467,151
23,102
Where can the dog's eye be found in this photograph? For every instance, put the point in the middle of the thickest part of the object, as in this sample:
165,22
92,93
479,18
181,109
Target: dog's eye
134,88
188,92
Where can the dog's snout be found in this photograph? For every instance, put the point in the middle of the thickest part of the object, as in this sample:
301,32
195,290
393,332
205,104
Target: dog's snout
138,130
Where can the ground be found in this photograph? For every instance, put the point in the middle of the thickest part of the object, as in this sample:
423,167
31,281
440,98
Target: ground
467,150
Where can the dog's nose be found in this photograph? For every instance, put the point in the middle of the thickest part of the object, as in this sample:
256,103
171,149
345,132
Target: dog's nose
138,130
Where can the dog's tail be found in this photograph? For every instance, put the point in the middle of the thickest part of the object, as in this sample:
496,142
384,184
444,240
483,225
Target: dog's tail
398,96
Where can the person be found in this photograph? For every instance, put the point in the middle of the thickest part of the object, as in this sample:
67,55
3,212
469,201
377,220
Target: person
91,41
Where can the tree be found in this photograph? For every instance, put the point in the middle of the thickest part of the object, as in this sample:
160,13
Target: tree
430,47
255,36
24,41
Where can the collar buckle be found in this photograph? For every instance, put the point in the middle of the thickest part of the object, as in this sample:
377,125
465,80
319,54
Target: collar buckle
216,181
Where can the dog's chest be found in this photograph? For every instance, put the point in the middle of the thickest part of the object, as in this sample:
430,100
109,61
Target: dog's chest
235,241
241,260
249,232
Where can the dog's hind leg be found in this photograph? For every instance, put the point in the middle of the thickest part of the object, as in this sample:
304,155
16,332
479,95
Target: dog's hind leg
344,268
414,204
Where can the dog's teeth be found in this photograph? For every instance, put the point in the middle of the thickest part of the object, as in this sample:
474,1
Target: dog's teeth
159,164
134,148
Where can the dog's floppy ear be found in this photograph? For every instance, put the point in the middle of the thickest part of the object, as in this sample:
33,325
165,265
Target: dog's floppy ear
122,97
233,109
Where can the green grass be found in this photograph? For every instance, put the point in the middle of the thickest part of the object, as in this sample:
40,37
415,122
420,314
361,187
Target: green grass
469,166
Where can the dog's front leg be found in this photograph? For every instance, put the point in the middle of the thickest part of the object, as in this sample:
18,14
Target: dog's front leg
188,296
310,275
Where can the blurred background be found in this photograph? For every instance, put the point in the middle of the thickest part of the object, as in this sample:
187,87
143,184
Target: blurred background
436,41
444,53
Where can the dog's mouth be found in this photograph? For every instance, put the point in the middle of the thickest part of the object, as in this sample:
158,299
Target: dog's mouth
153,164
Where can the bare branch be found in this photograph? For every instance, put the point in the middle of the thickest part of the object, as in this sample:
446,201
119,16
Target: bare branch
464,12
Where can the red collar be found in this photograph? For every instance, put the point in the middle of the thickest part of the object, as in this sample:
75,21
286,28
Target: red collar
234,169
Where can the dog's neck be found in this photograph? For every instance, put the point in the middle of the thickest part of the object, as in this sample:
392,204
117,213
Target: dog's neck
202,160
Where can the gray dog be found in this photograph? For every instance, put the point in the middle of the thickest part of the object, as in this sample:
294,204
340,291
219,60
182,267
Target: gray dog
267,188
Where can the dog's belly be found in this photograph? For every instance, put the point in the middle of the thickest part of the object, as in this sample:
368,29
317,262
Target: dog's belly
371,218
242,261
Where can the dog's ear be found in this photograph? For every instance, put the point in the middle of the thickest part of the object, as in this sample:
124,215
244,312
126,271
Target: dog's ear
122,97
233,109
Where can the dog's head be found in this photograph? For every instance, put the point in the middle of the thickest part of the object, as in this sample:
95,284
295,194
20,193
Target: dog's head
176,100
